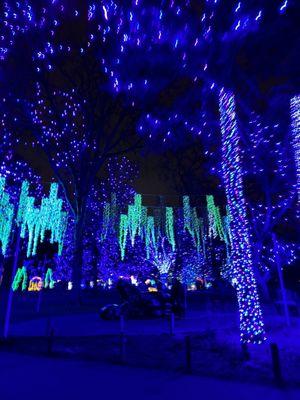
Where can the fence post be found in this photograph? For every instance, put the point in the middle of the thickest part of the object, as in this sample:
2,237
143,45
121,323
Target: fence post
122,324
39,300
10,290
50,341
276,364
281,281
245,352
122,348
172,323
188,354
48,327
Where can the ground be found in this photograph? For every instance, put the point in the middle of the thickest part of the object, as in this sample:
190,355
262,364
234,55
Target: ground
33,378
153,358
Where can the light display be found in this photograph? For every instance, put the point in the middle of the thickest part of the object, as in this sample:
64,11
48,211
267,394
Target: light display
68,130
20,17
140,27
105,220
201,235
226,224
212,230
150,240
215,221
123,232
198,233
135,218
116,190
123,29
22,202
216,224
6,217
150,230
251,320
35,221
170,227
20,279
35,284
163,259
271,188
226,271
190,257
63,129
193,224
12,168
187,213
295,115
49,280
136,222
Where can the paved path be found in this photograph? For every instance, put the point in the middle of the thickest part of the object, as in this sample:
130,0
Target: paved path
25,377
91,324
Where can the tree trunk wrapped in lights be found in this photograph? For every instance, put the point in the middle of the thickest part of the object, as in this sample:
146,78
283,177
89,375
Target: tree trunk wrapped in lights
295,115
251,320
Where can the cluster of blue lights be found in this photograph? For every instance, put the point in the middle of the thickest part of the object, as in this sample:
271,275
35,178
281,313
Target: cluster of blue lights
251,320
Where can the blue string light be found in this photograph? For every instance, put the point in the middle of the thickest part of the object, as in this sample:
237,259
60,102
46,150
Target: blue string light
295,116
251,320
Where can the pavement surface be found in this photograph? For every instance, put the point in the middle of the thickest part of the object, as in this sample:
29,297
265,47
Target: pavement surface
27,377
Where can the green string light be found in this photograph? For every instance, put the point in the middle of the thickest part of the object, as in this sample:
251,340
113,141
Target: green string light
109,218
150,238
35,221
187,215
151,229
49,281
157,214
135,217
20,279
193,224
163,259
143,222
203,237
196,229
226,225
215,227
22,202
6,217
170,227
123,232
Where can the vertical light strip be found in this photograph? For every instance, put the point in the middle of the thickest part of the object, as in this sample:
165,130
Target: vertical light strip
251,320
295,116
7,211
170,227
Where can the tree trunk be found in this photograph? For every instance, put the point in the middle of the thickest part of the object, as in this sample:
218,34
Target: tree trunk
262,278
95,261
6,296
262,281
77,261
281,280
251,319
